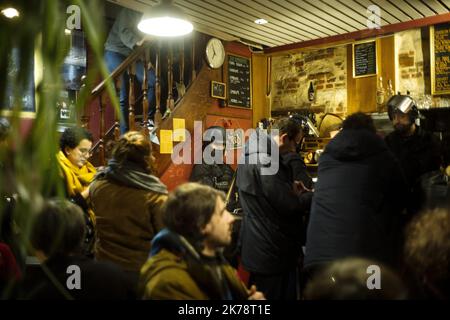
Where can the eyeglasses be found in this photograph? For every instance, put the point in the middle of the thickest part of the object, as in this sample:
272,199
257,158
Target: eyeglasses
85,152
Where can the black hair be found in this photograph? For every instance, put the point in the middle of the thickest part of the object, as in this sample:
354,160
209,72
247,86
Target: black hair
359,121
71,137
288,126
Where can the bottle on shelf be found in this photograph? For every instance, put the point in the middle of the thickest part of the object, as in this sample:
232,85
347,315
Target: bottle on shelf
380,96
311,91
390,90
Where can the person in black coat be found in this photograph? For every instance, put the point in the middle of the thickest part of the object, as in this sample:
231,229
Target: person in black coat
418,151
219,175
273,210
358,197
216,174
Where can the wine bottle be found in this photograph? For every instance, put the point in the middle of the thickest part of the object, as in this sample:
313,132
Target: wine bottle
380,96
390,90
311,91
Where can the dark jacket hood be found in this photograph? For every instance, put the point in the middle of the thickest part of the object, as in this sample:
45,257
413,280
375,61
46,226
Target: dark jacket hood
259,144
172,242
350,144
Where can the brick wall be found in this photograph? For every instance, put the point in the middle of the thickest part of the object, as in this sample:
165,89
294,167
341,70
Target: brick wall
410,62
410,68
326,68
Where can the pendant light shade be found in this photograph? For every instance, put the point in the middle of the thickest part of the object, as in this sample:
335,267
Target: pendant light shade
165,20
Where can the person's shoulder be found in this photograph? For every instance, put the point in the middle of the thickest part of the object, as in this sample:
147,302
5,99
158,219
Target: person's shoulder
155,198
164,260
166,276
289,157
427,135
390,137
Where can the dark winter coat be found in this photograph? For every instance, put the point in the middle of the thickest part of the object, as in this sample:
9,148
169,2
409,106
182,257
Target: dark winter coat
271,231
358,197
418,154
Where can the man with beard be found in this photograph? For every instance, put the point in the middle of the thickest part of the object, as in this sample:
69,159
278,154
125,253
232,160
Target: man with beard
418,151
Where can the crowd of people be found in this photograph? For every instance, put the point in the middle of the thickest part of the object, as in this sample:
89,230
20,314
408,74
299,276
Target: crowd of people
359,224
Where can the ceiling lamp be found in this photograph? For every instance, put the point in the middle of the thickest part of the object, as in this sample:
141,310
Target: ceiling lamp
165,20
10,13
261,21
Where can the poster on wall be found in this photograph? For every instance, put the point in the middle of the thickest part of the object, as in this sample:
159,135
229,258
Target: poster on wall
440,58
364,57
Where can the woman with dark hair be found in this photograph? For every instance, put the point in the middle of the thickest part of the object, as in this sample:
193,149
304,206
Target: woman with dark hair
75,150
127,198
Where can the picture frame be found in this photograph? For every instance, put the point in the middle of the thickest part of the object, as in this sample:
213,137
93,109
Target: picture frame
218,90
439,55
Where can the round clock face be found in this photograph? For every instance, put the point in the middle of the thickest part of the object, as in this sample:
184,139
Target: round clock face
215,53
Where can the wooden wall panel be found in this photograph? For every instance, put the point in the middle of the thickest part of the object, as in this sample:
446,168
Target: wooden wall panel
361,92
261,102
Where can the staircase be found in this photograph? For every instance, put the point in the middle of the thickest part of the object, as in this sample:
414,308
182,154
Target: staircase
186,98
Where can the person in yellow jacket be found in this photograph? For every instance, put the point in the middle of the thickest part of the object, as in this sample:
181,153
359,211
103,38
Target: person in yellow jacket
75,150
186,261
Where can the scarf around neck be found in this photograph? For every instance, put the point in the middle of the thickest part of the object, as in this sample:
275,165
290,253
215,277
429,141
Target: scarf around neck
77,179
131,175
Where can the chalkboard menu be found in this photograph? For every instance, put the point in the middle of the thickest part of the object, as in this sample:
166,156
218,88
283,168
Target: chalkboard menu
364,59
440,58
239,82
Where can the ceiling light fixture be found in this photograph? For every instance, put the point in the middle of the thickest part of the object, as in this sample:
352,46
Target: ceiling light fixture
165,20
261,21
10,13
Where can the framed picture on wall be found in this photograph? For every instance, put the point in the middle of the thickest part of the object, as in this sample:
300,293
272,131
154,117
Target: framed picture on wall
218,90
440,58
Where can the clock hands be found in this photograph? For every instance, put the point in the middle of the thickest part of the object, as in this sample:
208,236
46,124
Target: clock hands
214,51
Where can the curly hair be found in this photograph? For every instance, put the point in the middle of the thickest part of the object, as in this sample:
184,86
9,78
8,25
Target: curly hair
71,137
134,147
427,245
